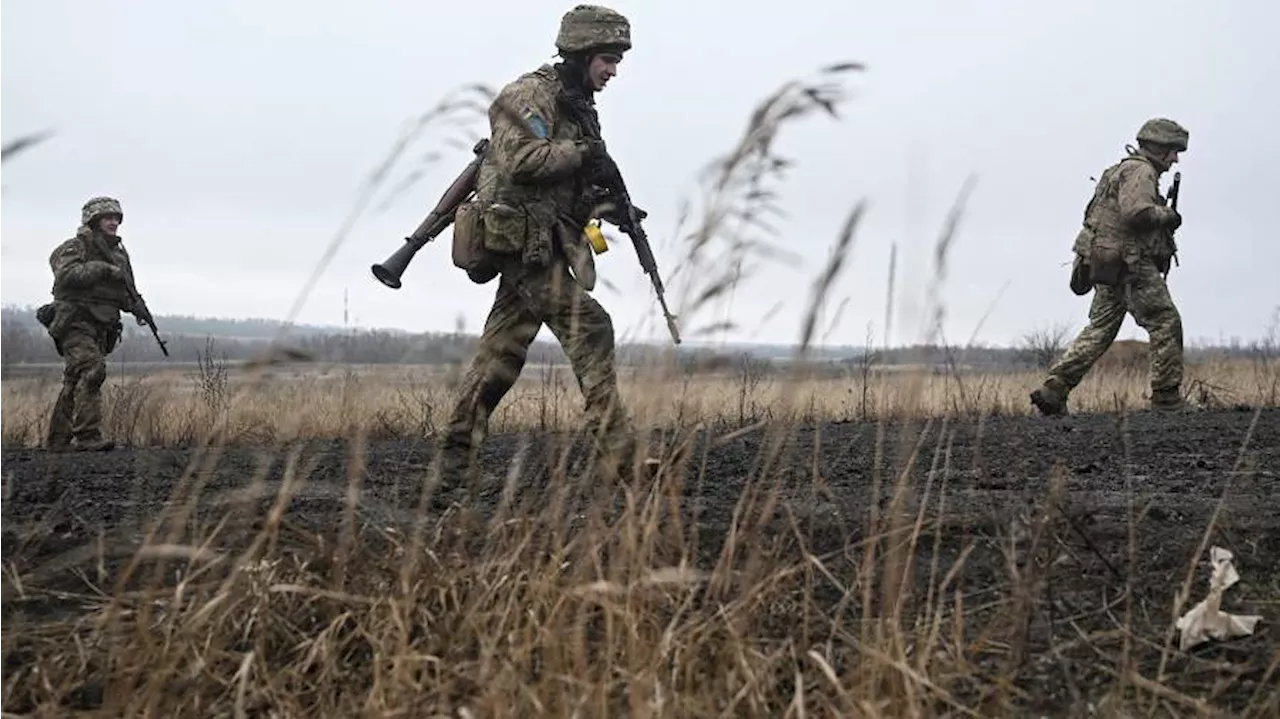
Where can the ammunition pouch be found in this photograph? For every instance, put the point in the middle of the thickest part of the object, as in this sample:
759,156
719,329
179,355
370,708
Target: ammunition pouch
109,336
1106,260
469,240
57,317
505,228
1080,284
45,314
1164,251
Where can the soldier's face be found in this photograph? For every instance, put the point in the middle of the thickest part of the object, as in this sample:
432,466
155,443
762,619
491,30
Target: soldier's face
109,224
601,68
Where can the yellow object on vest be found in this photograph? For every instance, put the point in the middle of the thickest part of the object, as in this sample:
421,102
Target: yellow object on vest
596,237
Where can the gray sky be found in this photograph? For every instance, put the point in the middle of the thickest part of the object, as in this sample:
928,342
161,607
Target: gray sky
237,135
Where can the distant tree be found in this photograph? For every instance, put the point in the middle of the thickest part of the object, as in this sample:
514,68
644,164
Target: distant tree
1041,347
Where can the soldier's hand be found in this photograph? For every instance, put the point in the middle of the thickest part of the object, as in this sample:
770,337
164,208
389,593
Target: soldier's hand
142,320
105,270
593,149
1172,219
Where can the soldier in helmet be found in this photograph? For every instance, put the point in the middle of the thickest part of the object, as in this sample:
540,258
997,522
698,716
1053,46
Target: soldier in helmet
535,194
1123,251
92,284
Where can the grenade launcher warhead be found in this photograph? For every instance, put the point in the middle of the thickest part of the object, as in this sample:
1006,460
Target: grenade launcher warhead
440,217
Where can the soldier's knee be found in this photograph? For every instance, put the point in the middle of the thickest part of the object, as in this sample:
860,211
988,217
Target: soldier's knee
597,327
603,332
95,374
1167,318
79,365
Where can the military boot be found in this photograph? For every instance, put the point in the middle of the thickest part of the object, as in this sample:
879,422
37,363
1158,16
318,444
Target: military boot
58,436
1169,400
93,444
1050,398
457,467
57,442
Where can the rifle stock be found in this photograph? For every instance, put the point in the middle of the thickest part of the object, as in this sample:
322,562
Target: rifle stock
441,216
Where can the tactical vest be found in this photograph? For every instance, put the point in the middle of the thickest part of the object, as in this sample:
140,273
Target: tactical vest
111,293
1105,241
1102,215
529,222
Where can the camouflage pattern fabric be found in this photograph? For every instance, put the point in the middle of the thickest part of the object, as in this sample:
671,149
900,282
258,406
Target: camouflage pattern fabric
590,26
91,269
90,292
1147,299
533,190
77,413
1127,213
526,299
536,154
1163,131
1127,238
96,207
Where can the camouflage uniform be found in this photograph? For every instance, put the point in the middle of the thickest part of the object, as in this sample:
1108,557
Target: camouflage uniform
90,272
1123,251
534,195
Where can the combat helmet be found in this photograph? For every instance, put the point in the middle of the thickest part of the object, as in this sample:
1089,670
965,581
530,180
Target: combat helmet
588,26
1163,131
97,207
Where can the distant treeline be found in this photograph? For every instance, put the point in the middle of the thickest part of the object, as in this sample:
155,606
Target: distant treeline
191,339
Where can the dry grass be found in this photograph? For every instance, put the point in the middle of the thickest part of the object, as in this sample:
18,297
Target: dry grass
569,605
176,409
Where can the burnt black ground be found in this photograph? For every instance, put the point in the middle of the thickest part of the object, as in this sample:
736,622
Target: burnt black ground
1178,468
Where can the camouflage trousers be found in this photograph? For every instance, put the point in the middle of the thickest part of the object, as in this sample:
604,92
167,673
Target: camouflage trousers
527,298
1146,297
77,413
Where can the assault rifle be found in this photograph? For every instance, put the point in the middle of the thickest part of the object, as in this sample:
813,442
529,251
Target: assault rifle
440,217
630,216
1174,189
142,312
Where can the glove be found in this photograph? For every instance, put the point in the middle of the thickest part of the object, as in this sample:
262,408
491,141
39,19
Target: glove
1171,219
615,216
595,159
105,271
593,149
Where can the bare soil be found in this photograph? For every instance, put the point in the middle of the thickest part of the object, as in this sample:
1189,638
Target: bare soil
1152,480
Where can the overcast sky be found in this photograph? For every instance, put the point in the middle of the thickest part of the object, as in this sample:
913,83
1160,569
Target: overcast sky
238,135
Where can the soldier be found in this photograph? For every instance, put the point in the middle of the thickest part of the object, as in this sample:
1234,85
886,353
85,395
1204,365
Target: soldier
1123,251
92,284
534,196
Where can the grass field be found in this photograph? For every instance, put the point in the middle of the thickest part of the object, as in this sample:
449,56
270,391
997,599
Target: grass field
383,402
941,554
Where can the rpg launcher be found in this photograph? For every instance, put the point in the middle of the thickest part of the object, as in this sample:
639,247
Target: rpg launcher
440,217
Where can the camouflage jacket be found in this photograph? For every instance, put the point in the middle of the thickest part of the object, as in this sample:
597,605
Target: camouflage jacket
83,275
1128,211
533,181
